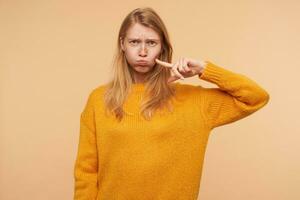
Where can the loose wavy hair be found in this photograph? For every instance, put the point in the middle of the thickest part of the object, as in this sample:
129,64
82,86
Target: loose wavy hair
158,92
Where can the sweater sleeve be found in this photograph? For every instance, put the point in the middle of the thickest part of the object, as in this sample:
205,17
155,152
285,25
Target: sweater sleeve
86,164
236,97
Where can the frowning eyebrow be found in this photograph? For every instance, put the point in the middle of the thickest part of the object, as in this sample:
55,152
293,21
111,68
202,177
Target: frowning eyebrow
149,39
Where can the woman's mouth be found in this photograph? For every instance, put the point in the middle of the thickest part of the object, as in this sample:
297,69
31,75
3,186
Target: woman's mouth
142,63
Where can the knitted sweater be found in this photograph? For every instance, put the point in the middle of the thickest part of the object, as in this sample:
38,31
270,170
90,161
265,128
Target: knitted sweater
160,159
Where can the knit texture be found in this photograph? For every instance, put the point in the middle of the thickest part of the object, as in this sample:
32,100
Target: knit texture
161,159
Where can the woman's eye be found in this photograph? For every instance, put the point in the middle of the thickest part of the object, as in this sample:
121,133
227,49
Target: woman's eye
152,43
133,41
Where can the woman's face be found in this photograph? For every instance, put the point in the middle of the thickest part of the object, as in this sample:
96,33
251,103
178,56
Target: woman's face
141,46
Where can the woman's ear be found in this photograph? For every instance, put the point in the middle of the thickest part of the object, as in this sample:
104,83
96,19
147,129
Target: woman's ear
122,44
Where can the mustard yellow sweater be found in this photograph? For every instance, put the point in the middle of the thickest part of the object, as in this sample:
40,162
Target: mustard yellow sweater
160,159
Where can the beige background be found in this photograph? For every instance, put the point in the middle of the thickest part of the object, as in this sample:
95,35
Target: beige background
52,54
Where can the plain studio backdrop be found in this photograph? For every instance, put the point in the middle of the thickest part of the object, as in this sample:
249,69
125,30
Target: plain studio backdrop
53,53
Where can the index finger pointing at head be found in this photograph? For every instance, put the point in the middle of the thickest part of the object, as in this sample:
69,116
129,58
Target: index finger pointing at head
164,63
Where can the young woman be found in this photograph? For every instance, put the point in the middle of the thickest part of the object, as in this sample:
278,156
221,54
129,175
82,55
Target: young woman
143,136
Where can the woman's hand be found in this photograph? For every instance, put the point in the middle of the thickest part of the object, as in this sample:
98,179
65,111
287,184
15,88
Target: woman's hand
183,68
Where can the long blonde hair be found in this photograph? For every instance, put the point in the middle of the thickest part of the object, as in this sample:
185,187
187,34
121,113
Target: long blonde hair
157,90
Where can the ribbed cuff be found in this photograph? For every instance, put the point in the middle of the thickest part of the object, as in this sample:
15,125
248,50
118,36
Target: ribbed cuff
212,72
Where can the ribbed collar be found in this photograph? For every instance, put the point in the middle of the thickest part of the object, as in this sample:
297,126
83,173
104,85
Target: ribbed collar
138,86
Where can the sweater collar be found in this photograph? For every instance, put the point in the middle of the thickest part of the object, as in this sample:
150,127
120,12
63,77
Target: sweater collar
138,86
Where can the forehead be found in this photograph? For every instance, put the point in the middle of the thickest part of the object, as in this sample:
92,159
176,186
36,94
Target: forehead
139,31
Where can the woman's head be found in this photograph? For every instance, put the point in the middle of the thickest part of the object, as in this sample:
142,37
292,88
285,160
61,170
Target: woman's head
152,42
142,38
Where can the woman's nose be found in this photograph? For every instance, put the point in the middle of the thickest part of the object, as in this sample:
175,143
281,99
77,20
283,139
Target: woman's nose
143,51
